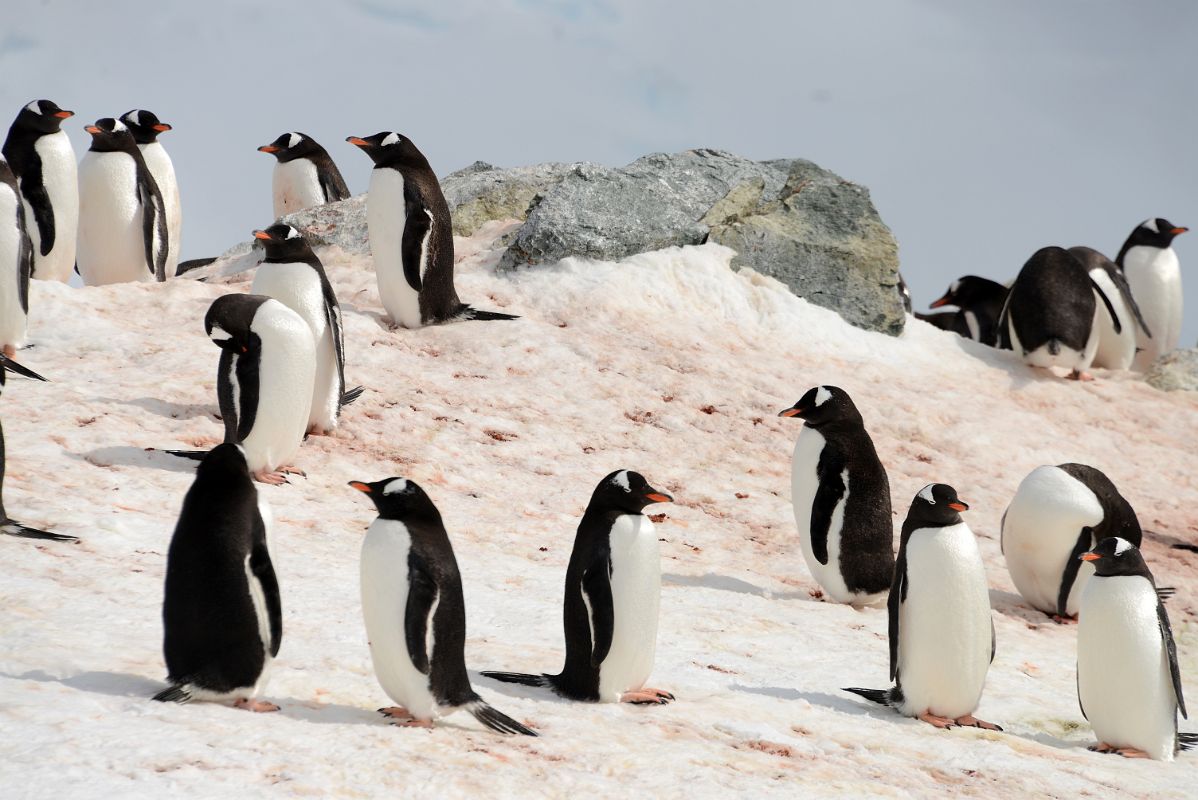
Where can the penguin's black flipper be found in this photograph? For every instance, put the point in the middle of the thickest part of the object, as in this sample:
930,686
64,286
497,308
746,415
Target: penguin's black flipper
352,395
497,720
14,528
879,696
522,678
1085,541
469,313
173,694
1110,308
25,372
1187,741
193,455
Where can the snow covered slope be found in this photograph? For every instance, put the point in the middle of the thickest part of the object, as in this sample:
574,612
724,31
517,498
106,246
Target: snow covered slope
669,364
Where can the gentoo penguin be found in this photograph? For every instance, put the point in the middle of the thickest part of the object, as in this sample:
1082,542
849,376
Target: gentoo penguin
411,239
145,127
304,175
1050,314
1128,682
292,274
1154,275
414,610
16,263
43,160
1119,318
951,321
613,590
941,633
1057,514
264,380
221,615
7,524
841,499
980,301
123,232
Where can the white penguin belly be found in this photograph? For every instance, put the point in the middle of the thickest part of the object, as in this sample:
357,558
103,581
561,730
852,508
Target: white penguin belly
60,177
804,482
285,378
385,219
944,624
297,286
1123,677
111,240
163,170
12,316
384,573
1115,350
636,597
1066,356
296,186
1154,275
1040,529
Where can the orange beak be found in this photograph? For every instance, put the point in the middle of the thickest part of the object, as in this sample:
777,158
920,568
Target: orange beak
262,235
359,142
162,126
959,506
1089,556
658,497
943,301
269,148
790,412
1179,230
64,114
92,129
361,487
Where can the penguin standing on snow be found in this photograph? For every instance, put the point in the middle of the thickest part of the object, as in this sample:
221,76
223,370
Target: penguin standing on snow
941,633
1154,274
841,499
411,238
304,176
1119,320
1128,682
414,611
222,617
43,160
123,232
613,590
145,127
1057,514
16,264
980,302
292,274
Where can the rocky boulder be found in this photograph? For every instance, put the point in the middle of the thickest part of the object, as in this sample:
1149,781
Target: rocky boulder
1174,371
481,193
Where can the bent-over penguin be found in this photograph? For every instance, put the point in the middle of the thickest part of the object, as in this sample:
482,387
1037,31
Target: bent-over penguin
145,127
123,232
1128,681
941,632
613,591
304,174
16,264
415,613
411,237
292,274
1057,514
1153,272
221,615
1120,322
841,499
980,302
43,160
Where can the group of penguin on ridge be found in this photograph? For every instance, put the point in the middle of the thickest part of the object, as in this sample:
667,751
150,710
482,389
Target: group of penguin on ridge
1076,308
1069,538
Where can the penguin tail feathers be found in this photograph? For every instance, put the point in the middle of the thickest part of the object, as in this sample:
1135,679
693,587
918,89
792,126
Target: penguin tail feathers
497,720
193,455
19,369
1163,593
352,395
468,313
521,678
1187,741
1054,347
180,693
879,696
14,528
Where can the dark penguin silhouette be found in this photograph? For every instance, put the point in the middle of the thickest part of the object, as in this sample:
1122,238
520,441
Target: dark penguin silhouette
304,174
980,302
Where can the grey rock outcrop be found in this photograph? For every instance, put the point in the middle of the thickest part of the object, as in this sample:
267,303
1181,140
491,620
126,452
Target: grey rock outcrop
1174,371
481,193
342,224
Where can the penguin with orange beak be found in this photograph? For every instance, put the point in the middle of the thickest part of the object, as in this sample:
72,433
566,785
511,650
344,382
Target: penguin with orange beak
304,174
145,127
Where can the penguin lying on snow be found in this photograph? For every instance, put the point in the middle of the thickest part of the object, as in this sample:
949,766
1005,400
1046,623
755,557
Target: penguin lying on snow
941,633
145,127
979,302
16,264
1128,681
1148,260
414,611
304,174
613,590
1119,320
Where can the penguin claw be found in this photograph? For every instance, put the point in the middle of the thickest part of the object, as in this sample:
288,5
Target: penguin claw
1126,752
257,706
276,478
647,697
944,723
970,721
396,712
1058,619
1078,375
413,723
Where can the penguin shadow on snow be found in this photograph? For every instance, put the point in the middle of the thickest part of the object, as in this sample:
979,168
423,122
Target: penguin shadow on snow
127,456
843,704
1012,605
165,408
727,583
114,684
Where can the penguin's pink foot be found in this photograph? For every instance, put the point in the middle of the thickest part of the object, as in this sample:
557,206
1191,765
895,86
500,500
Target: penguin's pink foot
970,721
318,430
257,706
413,723
940,722
396,712
1078,375
1131,752
655,697
1058,619
274,478
10,351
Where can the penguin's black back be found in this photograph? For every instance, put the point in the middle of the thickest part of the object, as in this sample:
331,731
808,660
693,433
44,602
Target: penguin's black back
1118,517
1051,303
579,678
438,297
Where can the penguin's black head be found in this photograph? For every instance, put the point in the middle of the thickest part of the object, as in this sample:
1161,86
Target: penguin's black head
42,116
626,491
229,322
224,460
398,499
111,135
936,506
144,125
1115,556
968,291
290,146
824,405
390,149
1158,232
283,243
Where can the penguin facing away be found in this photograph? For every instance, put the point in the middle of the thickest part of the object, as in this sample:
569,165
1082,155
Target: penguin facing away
264,379
1057,514
1128,681
612,595
1119,321
414,611
123,232
16,264
43,160
292,274
980,301
1153,272
221,614
145,127
304,174
411,237
841,499
941,632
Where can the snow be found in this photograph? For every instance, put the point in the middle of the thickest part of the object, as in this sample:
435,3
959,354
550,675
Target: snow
669,364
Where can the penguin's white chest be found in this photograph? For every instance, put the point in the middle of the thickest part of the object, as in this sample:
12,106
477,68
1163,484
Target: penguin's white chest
285,374
804,481
1154,275
60,177
159,163
1116,350
386,218
1123,677
296,186
636,597
111,239
944,624
384,573
12,315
